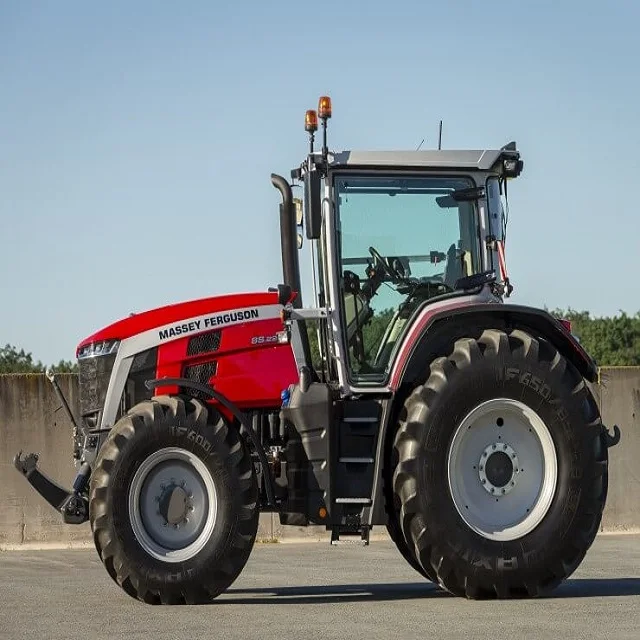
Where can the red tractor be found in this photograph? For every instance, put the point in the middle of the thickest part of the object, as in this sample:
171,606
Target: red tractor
409,396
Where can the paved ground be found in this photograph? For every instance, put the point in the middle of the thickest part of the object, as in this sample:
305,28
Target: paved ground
315,591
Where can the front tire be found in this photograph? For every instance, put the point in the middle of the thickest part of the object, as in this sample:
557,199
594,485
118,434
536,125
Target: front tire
173,502
501,472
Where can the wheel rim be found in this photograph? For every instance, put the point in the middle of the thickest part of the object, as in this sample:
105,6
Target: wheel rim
502,469
172,504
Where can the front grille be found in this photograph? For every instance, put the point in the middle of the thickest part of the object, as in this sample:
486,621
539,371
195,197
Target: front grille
200,373
204,343
143,368
93,379
145,361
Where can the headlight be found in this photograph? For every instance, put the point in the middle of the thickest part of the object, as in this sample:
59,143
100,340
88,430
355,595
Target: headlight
94,349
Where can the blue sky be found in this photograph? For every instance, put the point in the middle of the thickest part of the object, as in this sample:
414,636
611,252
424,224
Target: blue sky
137,140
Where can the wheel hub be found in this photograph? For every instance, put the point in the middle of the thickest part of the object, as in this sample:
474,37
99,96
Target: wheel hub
502,469
498,469
174,505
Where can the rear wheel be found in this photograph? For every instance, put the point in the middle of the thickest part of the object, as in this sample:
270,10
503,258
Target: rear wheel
173,502
394,530
501,474
395,533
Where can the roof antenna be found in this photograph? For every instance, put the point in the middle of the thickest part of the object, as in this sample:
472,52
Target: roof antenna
440,137
418,149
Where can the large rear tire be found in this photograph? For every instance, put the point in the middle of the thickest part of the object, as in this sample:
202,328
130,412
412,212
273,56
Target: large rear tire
501,472
393,526
173,502
396,535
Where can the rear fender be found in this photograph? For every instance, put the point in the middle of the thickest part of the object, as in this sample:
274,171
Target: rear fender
470,321
436,339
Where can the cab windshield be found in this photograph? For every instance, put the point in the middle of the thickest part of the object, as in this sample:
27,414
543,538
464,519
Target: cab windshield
402,240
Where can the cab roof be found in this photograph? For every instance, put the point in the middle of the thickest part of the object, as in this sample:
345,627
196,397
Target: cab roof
478,160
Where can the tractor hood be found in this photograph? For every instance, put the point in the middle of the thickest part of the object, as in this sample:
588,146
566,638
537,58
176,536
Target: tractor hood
186,317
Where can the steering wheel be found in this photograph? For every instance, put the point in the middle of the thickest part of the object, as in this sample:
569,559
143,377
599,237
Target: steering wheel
386,267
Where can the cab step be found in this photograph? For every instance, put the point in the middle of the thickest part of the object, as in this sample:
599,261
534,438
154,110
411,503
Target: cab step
353,535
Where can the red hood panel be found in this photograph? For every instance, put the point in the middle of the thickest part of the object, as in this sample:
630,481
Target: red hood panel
135,324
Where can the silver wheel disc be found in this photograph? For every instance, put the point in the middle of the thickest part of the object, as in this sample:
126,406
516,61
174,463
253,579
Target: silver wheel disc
172,504
502,469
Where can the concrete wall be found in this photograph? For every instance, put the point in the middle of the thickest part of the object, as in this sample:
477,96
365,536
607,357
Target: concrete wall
32,420
619,392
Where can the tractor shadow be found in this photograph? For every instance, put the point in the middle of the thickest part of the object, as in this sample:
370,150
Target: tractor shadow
333,594
596,588
388,592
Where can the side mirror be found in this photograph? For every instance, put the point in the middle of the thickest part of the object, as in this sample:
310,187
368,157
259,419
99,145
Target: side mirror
312,204
468,195
297,203
451,200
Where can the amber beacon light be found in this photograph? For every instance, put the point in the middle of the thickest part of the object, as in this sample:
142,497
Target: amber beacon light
324,107
311,121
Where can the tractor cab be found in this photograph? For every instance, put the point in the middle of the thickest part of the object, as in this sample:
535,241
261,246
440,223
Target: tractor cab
392,233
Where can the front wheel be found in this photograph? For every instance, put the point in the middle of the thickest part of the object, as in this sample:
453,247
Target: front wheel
173,502
501,477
